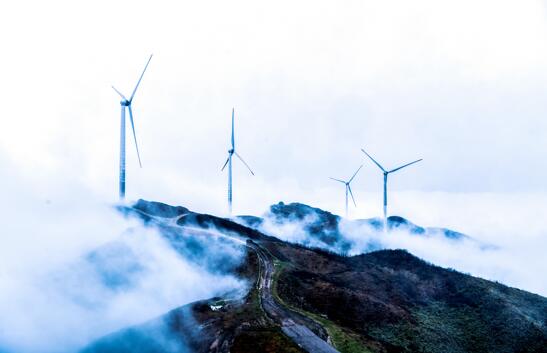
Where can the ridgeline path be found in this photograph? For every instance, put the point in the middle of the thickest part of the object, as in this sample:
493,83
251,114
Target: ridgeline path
294,325
304,331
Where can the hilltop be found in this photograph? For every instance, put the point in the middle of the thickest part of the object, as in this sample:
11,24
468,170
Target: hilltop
306,298
319,228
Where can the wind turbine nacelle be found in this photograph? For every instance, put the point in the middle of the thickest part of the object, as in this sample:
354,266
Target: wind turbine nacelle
125,102
231,151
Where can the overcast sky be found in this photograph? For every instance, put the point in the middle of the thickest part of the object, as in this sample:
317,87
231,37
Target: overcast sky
460,84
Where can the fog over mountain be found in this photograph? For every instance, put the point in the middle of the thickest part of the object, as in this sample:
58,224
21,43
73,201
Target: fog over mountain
511,258
73,269
306,298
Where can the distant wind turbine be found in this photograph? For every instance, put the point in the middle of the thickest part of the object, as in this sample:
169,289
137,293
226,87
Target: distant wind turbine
228,162
348,188
386,173
126,103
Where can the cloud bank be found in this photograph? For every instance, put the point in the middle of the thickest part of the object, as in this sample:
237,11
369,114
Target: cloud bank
72,269
505,247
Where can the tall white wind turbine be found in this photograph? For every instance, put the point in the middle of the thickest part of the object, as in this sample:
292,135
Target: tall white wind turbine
228,162
348,188
126,104
386,173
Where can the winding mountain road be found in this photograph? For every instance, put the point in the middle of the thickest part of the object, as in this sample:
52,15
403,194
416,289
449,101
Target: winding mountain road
294,325
304,331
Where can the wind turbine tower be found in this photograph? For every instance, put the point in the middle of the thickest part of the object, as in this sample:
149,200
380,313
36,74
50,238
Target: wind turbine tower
386,173
231,152
126,104
348,188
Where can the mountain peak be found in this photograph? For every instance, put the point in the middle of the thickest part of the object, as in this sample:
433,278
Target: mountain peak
302,297
159,209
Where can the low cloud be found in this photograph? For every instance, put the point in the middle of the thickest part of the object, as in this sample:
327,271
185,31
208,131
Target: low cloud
73,269
504,242
519,265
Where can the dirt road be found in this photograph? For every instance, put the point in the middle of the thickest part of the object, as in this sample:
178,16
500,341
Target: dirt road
293,324
305,332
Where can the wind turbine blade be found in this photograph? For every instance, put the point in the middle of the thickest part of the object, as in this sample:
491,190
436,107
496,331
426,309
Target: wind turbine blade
140,78
378,164
406,165
241,159
233,139
226,163
355,174
118,92
343,182
134,134
351,193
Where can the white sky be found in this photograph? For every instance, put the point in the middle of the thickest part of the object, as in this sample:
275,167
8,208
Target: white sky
460,84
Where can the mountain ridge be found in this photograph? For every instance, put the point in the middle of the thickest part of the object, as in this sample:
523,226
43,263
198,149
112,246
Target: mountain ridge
380,301
324,229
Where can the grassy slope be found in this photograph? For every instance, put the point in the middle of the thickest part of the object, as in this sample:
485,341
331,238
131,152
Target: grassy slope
267,340
342,339
391,301
387,301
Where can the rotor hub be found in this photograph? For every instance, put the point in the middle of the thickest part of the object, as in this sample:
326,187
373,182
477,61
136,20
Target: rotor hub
125,102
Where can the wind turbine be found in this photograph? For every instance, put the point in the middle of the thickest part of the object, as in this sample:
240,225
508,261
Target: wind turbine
126,103
228,162
386,173
348,188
